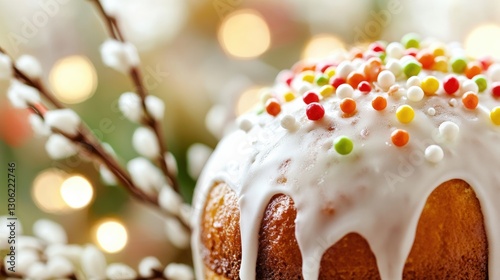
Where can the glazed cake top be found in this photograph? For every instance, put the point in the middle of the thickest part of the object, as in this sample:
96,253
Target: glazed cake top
359,140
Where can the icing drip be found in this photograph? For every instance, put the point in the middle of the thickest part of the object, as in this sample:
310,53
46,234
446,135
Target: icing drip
378,190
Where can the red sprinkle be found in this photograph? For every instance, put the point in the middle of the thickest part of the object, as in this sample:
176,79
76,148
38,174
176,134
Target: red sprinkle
364,87
486,62
310,97
337,81
323,69
289,81
411,51
315,111
376,47
451,84
495,89
273,107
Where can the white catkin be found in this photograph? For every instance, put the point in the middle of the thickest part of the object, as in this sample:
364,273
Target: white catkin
169,200
93,262
65,120
29,65
145,142
176,233
147,265
25,258
155,107
59,147
129,104
38,270
107,176
197,157
38,125
177,271
114,55
112,7
5,67
120,271
21,95
49,231
29,242
171,163
145,175
60,267
71,252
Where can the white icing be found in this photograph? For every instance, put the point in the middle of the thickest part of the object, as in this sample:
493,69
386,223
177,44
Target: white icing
378,190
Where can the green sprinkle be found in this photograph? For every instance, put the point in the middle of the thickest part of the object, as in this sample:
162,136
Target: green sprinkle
411,40
458,65
322,80
343,145
481,82
259,110
412,68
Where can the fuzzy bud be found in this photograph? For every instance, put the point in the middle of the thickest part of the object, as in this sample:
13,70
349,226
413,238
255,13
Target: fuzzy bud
178,271
111,7
129,104
145,175
145,142
197,156
171,163
119,271
29,242
60,267
21,95
176,233
119,56
107,176
38,125
155,107
147,265
93,263
169,200
25,258
39,271
65,120
5,67
59,147
29,65
49,231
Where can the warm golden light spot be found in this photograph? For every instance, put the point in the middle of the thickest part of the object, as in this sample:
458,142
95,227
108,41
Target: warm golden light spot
321,46
484,40
248,99
46,191
73,79
244,34
111,236
77,192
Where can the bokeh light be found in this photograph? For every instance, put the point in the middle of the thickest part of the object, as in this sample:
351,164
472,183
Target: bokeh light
484,40
46,191
73,79
111,236
321,46
247,100
244,34
77,192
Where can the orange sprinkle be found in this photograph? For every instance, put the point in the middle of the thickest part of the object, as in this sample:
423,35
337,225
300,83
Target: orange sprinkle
426,58
348,105
273,107
355,78
470,100
400,137
356,53
473,69
372,68
379,103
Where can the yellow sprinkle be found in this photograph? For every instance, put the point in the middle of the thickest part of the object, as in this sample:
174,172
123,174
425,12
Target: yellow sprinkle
326,90
330,71
289,96
308,76
495,115
438,51
440,64
405,114
430,85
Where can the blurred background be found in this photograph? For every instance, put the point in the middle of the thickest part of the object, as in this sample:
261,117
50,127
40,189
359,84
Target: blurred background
207,59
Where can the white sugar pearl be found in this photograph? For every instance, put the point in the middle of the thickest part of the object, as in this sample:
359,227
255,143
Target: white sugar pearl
469,85
395,50
413,81
344,91
304,87
344,69
395,67
494,72
288,122
386,79
431,111
453,102
449,130
245,124
434,153
415,93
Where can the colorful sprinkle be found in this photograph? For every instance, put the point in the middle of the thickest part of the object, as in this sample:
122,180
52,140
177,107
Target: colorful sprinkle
289,96
458,65
481,82
344,69
330,71
400,137
495,115
440,64
395,50
348,105
372,68
470,100
322,80
310,97
315,111
344,90
473,69
273,107
364,87
326,90
355,78
426,58
343,145
386,79
337,81
451,84
376,47
430,85
288,122
415,93
308,76
438,50
379,103
412,68
405,113
395,67
434,154
495,89
411,40
449,130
